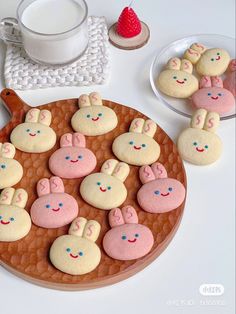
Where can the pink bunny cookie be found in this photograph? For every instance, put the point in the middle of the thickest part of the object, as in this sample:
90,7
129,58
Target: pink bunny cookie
127,240
72,160
230,81
159,194
54,208
212,96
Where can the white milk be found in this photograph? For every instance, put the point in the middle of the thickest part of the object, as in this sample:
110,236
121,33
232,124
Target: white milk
53,18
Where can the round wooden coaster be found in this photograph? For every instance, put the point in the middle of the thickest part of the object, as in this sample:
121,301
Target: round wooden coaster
129,43
28,257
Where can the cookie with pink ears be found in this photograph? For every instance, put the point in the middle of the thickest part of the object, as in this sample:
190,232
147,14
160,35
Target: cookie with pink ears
212,96
159,194
54,208
230,81
127,240
72,160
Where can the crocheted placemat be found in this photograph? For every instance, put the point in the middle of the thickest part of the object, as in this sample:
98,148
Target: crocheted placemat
93,68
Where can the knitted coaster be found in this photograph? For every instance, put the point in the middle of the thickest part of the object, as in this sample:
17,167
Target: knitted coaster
21,73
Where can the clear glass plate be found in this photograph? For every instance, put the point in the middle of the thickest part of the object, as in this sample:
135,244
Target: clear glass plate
176,49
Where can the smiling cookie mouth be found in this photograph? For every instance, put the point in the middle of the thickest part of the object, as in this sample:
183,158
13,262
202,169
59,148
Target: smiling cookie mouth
214,98
103,190
32,134
5,223
180,82
163,194
200,150
74,256
95,119
74,161
132,241
56,209
218,58
137,147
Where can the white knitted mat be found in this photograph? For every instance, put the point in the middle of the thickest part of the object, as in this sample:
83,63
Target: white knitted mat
21,73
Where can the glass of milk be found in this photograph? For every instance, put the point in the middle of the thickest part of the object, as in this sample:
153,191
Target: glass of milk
53,32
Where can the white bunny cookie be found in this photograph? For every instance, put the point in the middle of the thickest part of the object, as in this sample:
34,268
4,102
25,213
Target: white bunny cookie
35,135
199,144
211,62
11,171
15,222
77,253
93,118
137,147
177,79
106,190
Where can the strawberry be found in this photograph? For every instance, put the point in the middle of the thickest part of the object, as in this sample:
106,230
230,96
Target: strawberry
128,24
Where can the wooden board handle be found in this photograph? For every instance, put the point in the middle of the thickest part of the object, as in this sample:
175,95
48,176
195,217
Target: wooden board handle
13,103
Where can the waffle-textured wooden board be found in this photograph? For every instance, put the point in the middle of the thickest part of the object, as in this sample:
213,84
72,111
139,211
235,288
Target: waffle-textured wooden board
28,257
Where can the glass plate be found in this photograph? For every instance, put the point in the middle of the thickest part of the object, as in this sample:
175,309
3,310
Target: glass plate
176,49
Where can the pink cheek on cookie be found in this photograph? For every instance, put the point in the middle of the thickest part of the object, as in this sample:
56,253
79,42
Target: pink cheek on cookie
161,195
127,242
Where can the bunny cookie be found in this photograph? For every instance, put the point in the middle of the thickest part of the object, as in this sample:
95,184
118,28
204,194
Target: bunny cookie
54,208
93,118
137,147
177,79
106,190
230,81
35,135
72,160
159,194
15,222
199,144
127,240
77,253
212,96
211,62
11,171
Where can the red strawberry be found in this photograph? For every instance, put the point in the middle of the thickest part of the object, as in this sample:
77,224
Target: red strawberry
128,24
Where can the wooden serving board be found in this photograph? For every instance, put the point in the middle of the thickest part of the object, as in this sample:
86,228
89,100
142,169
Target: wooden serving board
28,257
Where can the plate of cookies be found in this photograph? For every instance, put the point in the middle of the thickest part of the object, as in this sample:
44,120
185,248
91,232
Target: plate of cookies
91,192
197,72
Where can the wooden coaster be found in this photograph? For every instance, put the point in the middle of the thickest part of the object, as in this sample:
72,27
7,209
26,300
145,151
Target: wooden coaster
129,43
28,257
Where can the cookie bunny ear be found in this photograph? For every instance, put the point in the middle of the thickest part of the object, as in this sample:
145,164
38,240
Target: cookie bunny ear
75,140
32,115
45,117
95,99
20,198
159,170
232,65
136,125
193,54
130,215
56,185
173,64
205,82
6,196
84,101
115,217
92,230
146,174
212,122
186,66
216,81
112,167
43,187
77,226
149,128
198,119
7,150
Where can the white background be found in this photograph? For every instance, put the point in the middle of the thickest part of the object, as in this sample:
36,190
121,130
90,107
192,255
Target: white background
203,248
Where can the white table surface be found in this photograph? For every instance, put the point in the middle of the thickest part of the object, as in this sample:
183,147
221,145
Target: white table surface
203,249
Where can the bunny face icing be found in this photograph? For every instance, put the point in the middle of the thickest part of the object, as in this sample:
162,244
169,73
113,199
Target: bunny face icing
53,208
11,171
127,240
93,118
72,160
35,135
15,222
137,147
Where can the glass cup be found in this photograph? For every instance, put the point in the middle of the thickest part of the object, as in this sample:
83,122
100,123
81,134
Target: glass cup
59,48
